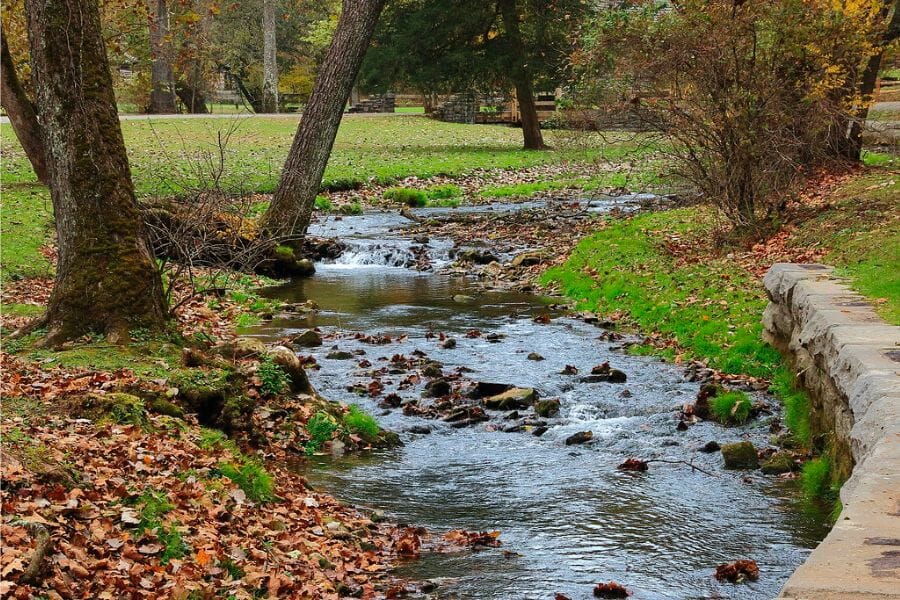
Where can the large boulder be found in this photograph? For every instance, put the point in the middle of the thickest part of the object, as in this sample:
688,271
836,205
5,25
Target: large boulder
242,347
740,455
512,399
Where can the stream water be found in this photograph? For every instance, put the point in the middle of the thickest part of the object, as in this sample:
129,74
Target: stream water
568,518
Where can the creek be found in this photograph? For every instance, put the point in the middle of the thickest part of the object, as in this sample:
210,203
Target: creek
568,518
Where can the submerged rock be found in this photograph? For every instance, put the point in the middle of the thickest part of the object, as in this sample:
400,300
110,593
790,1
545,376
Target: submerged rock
449,344
778,463
579,438
605,373
740,455
535,356
463,299
710,447
484,389
339,355
437,388
433,369
512,399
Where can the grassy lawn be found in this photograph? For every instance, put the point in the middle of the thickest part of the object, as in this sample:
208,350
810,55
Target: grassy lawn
177,156
711,307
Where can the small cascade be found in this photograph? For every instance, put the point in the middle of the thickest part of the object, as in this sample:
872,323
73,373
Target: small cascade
391,253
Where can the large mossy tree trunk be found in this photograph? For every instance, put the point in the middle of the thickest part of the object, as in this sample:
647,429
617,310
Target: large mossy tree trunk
162,81
291,208
106,278
270,63
21,113
531,126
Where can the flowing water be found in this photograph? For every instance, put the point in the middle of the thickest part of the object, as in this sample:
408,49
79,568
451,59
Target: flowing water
568,518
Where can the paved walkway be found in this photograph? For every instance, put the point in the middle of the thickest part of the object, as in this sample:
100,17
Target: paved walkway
295,116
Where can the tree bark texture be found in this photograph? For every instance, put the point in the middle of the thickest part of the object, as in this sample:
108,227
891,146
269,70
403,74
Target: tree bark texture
291,208
22,115
531,126
106,279
270,62
162,92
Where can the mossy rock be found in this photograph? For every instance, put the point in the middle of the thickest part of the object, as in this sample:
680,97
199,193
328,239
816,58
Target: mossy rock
778,463
512,399
162,406
547,408
114,407
740,455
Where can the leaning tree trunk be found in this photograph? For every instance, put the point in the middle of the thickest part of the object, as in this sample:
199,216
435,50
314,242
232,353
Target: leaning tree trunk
291,208
162,82
270,64
21,114
531,126
106,279
852,146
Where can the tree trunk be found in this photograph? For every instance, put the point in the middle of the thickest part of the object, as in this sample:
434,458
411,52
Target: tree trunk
22,115
106,278
289,213
270,64
162,82
853,145
531,126
193,98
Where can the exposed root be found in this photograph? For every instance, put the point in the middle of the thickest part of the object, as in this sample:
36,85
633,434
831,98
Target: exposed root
31,326
42,537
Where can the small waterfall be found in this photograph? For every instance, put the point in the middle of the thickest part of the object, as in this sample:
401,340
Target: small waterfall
398,254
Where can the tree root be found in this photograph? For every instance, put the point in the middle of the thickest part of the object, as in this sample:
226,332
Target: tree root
31,326
42,537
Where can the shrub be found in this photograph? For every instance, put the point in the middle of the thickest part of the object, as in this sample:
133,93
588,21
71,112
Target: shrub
273,378
407,196
320,427
751,95
361,423
731,408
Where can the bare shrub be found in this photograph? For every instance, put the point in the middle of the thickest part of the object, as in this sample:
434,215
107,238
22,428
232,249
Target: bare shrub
751,96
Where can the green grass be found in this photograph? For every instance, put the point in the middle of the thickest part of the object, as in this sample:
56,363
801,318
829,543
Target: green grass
712,310
251,477
172,157
410,110
731,408
408,196
521,189
321,426
25,225
815,478
361,423
445,203
443,191
796,405
323,203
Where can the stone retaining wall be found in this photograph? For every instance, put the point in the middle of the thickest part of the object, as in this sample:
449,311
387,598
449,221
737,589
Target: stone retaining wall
848,359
